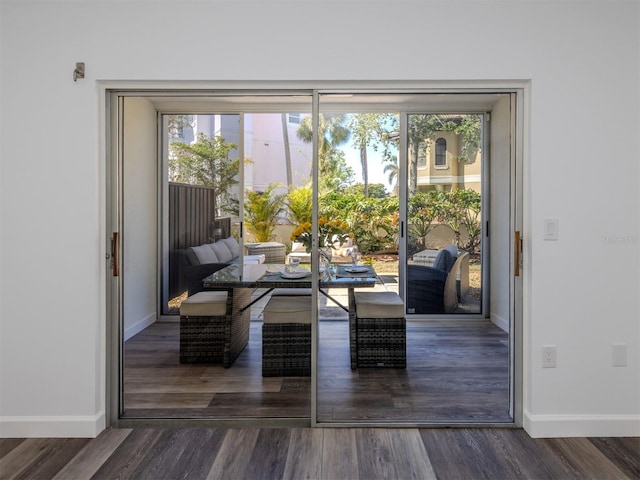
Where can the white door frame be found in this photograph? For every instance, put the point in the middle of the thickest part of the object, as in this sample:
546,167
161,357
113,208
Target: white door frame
112,168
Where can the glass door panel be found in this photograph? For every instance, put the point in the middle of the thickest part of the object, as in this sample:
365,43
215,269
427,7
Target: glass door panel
444,214
224,186
409,185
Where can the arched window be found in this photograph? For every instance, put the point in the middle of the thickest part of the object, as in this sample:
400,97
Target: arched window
441,152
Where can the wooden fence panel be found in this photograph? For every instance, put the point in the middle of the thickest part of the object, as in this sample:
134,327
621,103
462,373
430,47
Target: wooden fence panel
191,222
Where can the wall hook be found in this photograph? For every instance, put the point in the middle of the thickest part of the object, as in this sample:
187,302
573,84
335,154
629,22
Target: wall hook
79,71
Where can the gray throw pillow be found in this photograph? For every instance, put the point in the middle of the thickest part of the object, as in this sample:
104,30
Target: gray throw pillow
232,245
205,254
222,251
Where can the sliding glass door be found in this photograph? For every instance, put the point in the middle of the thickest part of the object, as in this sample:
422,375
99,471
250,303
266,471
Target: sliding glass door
395,180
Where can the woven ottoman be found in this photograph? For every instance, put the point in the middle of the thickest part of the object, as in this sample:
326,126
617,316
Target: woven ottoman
381,330
208,332
286,337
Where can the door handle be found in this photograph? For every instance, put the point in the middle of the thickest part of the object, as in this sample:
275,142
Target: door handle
114,254
517,247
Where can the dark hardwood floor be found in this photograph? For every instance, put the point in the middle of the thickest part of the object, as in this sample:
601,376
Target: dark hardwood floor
321,453
455,374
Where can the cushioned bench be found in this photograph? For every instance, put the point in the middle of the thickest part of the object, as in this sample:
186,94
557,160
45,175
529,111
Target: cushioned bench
381,338
209,333
286,336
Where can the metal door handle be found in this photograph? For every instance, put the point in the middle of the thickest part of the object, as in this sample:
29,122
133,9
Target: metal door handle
517,251
114,254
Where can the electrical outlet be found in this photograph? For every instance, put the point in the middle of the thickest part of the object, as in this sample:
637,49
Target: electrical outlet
548,356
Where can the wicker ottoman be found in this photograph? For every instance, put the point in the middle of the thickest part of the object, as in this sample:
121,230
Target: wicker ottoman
208,332
273,252
286,337
381,330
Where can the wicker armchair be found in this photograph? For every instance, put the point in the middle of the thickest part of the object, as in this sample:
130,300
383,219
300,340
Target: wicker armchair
436,289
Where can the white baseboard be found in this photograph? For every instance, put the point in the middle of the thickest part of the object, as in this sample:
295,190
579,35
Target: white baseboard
52,427
554,426
139,326
500,322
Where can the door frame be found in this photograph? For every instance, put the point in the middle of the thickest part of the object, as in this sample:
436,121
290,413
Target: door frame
112,157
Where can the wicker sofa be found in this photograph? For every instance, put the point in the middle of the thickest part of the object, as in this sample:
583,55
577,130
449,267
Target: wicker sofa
201,261
226,250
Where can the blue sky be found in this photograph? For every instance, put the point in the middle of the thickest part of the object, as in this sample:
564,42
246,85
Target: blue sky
376,166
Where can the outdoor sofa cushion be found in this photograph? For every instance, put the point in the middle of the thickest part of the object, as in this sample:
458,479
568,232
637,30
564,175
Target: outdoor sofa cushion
222,252
226,250
446,258
202,254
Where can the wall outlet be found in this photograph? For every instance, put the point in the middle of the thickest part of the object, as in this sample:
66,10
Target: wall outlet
548,356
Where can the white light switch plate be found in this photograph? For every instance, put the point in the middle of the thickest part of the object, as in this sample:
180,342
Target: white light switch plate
551,229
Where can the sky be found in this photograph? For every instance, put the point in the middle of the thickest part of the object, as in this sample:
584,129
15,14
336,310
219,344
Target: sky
376,166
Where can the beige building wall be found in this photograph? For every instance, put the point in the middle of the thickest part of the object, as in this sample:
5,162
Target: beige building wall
455,174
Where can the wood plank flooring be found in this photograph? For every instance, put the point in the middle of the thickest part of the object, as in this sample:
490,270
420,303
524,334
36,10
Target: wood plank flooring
321,453
455,373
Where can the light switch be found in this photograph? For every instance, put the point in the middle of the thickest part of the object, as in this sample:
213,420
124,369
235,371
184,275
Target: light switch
551,229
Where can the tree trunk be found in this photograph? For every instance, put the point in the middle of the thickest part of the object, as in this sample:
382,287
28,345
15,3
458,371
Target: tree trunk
287,152
413,169
365,169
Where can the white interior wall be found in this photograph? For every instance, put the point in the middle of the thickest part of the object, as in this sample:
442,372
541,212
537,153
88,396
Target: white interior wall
139,238
500,234
581,59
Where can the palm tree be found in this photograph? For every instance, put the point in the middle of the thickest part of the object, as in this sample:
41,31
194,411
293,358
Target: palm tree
331,133
392,171
364,128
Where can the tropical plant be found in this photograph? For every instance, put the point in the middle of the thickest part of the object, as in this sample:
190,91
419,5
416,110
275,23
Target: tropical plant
262,211
371,220
424,210
332,132
299,203
470,130
461,209
206,162
330,232
339,174
469,204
